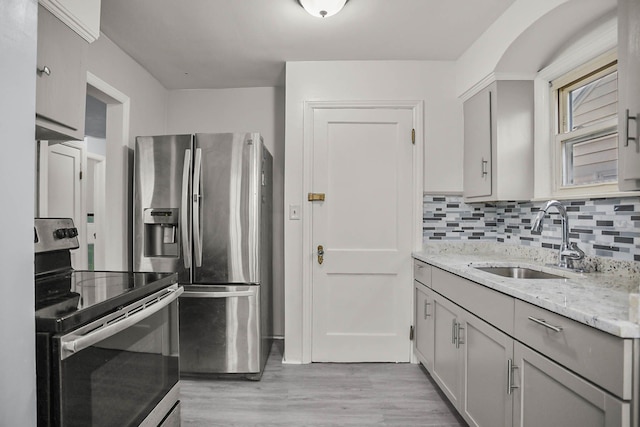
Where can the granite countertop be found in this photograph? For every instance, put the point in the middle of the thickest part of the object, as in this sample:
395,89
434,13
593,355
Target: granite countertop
606,300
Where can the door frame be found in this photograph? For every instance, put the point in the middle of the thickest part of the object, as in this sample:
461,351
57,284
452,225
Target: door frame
310,107
117,249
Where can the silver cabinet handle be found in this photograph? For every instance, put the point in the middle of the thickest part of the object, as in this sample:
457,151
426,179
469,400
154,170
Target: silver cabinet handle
484,167
545,324
459,339
454,336
510,368
628,138
46,70
426,313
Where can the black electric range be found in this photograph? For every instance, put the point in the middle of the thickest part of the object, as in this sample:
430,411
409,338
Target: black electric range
106,341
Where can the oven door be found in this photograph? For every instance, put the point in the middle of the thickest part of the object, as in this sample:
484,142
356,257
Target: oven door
119,370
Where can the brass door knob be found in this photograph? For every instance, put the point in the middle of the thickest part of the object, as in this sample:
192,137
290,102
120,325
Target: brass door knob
320,254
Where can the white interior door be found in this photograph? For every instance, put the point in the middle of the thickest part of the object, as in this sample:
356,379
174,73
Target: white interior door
361,292
60,188
95,205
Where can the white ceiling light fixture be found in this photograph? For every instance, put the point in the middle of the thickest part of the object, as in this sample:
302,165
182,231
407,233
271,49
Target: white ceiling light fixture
322,8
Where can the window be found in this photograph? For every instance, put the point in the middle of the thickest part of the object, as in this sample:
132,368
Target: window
586,140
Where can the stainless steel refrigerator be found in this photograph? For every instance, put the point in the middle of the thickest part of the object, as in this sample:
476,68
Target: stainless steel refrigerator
203,208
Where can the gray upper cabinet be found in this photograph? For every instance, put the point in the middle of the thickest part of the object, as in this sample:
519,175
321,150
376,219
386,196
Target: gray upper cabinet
629,94
477,144
498,142
61,80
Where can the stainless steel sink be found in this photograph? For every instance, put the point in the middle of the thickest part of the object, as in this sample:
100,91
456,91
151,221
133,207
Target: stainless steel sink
519,273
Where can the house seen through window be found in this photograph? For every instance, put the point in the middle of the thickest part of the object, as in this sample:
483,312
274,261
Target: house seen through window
587,135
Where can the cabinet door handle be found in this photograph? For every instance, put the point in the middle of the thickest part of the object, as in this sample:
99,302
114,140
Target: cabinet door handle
484,167
545,324
454,331
459,339
510,368
628,138
426,313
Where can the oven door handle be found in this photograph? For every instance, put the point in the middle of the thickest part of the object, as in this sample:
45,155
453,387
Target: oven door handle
75,341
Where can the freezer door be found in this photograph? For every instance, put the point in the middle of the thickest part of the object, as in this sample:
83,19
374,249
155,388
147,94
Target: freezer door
226,208
162,207
220,330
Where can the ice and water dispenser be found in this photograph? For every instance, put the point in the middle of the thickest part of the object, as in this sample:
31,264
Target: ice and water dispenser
161,232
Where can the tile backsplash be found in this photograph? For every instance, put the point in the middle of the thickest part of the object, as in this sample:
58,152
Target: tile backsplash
607,228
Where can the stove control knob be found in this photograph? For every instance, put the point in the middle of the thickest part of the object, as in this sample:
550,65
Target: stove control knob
72,232
60,233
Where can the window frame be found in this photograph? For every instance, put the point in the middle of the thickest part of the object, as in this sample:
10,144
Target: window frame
590,70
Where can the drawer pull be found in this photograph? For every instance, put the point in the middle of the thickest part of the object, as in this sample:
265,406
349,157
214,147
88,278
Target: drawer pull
545,324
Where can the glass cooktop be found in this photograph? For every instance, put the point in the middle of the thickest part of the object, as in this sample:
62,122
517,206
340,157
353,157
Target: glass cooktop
68,300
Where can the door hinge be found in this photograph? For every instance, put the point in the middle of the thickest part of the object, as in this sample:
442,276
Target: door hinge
411,333
80,174
413,136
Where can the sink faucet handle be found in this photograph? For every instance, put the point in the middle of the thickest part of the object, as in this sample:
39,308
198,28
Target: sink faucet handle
573,251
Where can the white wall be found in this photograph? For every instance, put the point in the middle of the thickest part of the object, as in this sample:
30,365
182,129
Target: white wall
480,60
18,27
242,110
524,39
147,116
431,82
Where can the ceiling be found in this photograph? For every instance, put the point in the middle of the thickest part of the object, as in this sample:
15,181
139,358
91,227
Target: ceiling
199,44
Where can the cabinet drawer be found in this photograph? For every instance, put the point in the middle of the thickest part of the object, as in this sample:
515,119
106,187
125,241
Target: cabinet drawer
597,356
422,272
491,306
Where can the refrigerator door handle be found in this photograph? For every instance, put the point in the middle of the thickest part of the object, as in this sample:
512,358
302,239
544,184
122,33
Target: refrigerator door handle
218,294
184,217
197,232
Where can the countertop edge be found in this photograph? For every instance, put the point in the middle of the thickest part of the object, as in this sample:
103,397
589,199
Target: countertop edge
617,327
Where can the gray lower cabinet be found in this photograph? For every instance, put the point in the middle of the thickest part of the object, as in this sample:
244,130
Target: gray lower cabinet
471,361
547,394
446,355
61,80
487,355
495,377
423,339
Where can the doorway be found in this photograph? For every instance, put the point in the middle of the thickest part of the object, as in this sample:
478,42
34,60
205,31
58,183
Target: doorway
100,179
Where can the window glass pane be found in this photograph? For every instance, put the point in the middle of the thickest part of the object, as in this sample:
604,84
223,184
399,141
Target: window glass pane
593,102
591,159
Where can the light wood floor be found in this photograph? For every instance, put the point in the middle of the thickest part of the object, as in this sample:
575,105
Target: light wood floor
319,394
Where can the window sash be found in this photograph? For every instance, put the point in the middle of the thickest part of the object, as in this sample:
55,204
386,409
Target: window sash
585,146
591,158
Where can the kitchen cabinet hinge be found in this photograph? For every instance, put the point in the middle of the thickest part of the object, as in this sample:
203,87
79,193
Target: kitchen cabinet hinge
411,333
413,136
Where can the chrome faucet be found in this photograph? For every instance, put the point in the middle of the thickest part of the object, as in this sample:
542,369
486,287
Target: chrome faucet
569,252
